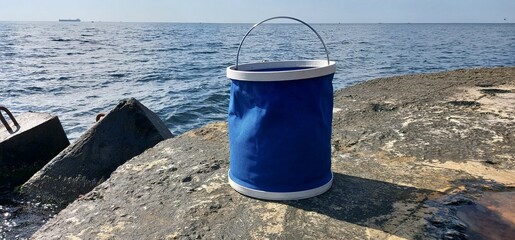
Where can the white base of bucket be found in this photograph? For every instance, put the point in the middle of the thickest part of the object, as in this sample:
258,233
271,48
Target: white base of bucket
280,196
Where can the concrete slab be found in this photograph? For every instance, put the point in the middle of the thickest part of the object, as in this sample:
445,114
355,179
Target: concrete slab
128,130
38,139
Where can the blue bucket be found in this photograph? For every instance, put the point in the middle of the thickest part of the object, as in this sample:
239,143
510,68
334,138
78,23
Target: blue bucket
280,118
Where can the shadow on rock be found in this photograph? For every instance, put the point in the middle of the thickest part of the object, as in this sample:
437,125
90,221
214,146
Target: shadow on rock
369,203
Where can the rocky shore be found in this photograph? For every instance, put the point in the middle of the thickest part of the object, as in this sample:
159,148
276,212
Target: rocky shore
414,157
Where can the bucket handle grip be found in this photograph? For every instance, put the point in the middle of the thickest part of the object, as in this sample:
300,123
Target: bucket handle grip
285,17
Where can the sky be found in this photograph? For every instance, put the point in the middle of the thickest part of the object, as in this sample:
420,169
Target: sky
246,11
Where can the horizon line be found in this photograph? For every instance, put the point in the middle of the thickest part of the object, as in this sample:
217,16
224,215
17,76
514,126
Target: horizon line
201,22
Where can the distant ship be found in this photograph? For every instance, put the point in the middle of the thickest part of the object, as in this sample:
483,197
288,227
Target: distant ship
69,20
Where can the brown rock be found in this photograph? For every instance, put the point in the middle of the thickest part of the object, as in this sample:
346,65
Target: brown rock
399,173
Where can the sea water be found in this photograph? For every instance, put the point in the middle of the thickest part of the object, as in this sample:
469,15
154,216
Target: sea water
77,70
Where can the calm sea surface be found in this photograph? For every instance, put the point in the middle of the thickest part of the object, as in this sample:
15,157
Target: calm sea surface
76,70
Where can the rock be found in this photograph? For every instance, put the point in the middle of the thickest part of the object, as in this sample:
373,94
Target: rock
28,147
399,173
128,130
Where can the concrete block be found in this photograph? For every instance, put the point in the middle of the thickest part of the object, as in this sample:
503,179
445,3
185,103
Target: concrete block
128,130
26,148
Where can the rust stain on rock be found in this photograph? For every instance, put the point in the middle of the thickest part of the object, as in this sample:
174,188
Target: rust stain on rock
492,216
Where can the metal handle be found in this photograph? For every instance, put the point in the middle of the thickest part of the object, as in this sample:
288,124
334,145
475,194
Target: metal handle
286,17
2,119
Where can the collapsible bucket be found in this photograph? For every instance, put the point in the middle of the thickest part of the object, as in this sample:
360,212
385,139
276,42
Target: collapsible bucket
280,116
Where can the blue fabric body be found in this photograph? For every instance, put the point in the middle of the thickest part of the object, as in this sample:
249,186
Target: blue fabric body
280,133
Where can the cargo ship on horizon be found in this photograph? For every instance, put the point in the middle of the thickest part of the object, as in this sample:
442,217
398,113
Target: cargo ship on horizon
69,20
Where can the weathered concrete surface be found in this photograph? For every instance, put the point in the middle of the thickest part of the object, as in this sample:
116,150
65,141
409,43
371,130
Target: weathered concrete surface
408,153
38,139
128,130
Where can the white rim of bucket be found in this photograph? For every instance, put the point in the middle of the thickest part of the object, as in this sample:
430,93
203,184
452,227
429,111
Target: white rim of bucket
280,196
313,69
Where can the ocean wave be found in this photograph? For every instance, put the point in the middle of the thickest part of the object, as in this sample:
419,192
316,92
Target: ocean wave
61,39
